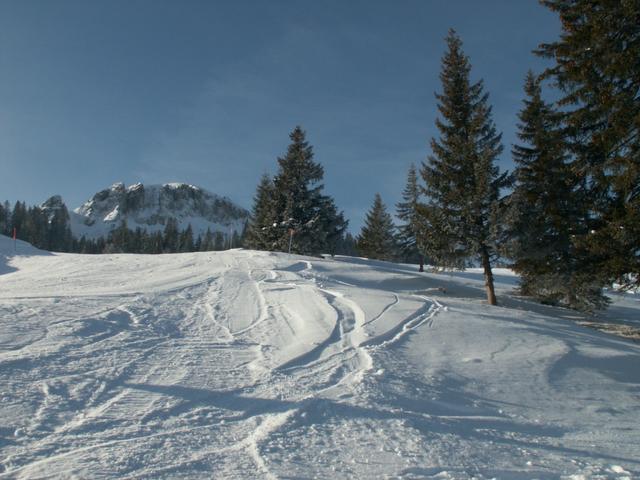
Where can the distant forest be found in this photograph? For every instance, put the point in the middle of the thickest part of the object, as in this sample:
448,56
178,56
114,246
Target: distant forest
50,231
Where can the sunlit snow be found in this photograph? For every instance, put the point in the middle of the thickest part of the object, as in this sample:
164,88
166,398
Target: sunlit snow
244,364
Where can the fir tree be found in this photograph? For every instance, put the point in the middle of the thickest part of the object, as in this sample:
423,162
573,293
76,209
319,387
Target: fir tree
347,246
218,241
35,228
157,242
4,219
597,69
462,182
407,212
120,238
332,223
377,239
7,209
207,242
260,232
18,219
299,204
171,236
543,216
59,232
185,243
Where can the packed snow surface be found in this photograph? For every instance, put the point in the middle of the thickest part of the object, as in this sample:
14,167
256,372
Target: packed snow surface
244,364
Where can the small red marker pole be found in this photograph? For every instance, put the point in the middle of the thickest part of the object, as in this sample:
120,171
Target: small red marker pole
15,248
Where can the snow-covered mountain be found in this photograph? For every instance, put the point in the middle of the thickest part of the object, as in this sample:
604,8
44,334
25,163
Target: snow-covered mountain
52,205
150,206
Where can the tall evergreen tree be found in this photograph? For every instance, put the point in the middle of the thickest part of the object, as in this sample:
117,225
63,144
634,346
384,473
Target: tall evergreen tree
597,69
4,219
407,212
207,243
261,234
171,237
347,246
462,182
120,239
377,239
332,223
185,243
59,232
156,242
35,228
218,241
18,220
299,205
543,216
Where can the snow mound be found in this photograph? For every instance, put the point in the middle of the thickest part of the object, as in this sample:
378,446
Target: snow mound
9,248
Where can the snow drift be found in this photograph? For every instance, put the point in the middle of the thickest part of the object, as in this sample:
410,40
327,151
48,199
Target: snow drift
245,364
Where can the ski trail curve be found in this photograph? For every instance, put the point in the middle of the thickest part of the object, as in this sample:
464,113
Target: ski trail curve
423,316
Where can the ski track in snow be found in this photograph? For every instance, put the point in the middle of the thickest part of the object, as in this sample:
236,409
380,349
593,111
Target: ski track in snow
246,364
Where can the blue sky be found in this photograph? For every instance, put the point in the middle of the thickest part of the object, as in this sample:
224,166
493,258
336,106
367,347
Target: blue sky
206,92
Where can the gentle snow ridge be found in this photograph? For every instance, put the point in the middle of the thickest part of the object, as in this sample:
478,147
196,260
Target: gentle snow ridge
244,364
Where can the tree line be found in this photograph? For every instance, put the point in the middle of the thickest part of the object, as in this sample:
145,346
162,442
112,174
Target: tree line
50,230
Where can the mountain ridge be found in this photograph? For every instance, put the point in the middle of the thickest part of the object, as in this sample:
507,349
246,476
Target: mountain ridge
149,207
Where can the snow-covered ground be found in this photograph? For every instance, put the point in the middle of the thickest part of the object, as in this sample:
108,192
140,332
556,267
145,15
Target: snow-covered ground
245,364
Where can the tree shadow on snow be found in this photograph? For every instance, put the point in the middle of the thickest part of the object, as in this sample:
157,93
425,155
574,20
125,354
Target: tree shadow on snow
4,265
428,418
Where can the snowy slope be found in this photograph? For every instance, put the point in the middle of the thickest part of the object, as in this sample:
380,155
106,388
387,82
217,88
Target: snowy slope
149,206
243,364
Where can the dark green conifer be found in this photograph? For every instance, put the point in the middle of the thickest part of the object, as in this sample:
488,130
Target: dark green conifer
4,219
462,182
407,212
185,242
261,234
120,239
171,236
18,219
218,241
347,246
597,69
207,242
542,211
377,239
59,232
299,205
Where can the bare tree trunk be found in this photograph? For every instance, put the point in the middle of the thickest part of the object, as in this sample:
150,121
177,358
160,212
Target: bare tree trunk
488,277
421,263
